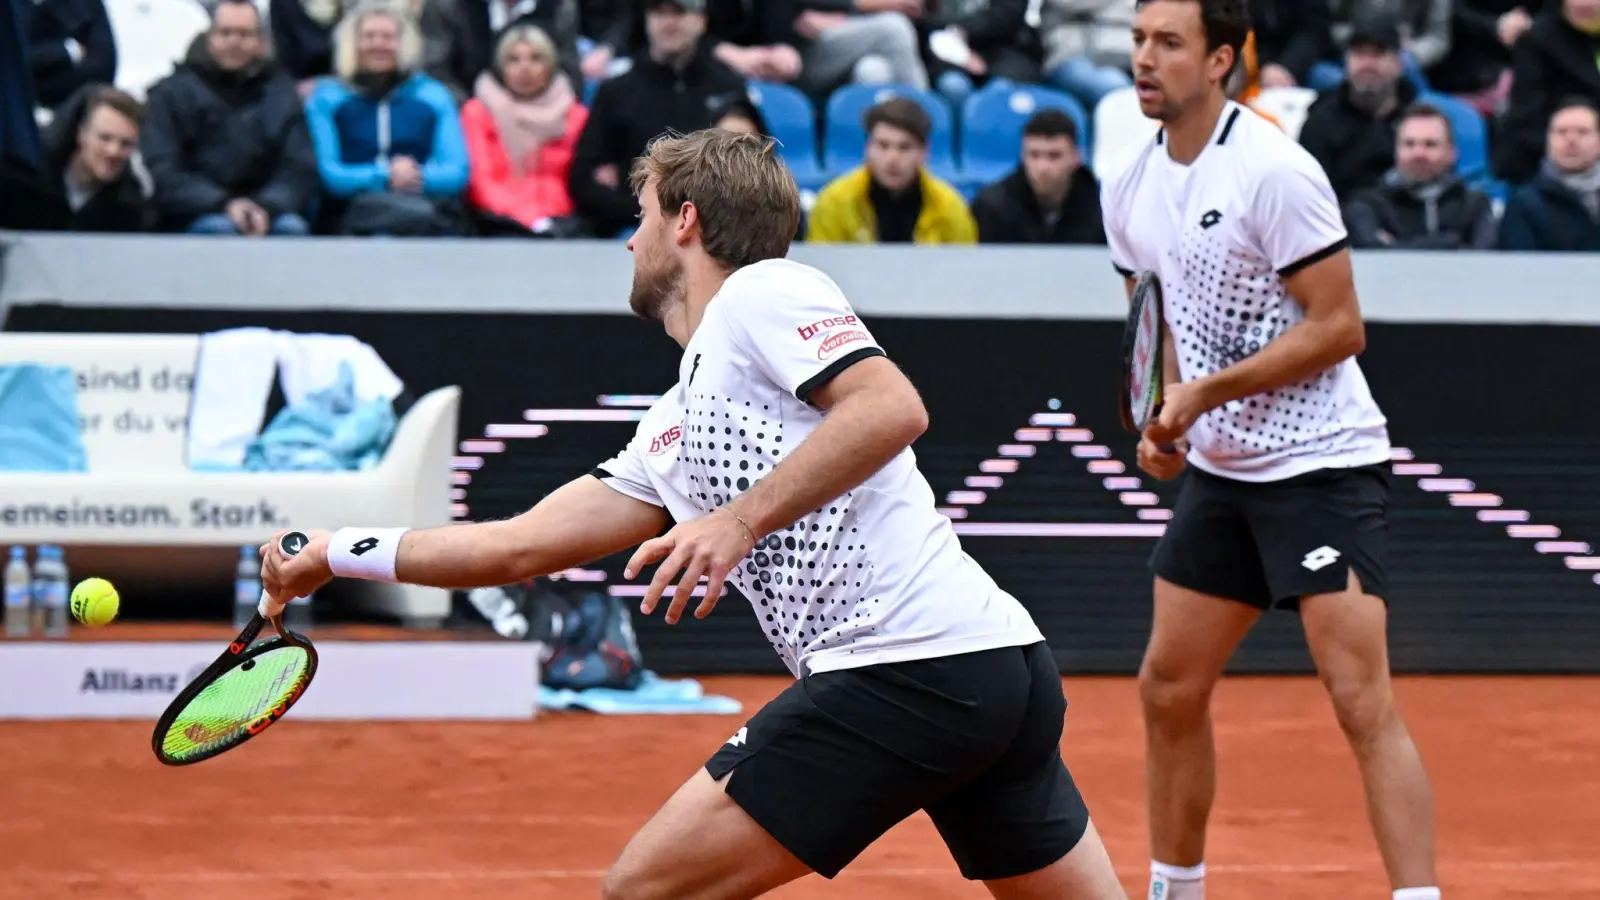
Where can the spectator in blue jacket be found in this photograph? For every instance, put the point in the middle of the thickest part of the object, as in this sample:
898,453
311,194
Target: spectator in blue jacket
1560,209
388,138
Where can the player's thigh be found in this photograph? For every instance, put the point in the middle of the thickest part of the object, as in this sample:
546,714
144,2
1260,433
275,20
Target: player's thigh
1347,633
1023,814
1192,637
701,846
1085,873
1209,547
1316,529
841,757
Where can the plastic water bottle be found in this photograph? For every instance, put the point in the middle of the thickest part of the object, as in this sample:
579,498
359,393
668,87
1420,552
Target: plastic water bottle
19,594
50,591
246,585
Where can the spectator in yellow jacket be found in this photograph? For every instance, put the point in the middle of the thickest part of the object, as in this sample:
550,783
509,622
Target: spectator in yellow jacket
893,198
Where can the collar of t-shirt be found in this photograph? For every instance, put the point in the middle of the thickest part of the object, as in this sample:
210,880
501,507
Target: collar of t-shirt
1175,167
897,213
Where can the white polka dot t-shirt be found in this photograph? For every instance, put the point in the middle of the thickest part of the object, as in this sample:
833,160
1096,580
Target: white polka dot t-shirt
1221,234
877,575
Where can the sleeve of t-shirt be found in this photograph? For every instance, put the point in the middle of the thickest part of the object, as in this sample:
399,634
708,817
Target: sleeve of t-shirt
800,331
1297,215
626,472
1116,235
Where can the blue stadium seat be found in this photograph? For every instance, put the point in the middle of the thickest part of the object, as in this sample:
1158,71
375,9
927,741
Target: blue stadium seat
793,121
845,142
1470,131
991,127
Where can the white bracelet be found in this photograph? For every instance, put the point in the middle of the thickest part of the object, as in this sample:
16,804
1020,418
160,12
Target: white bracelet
367,553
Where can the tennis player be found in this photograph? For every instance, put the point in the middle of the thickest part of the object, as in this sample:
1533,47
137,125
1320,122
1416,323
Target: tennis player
783,455
1285,500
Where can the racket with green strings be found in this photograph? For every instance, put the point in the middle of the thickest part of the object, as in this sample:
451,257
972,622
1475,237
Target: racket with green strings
247,689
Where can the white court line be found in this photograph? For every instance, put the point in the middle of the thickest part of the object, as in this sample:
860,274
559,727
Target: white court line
203,875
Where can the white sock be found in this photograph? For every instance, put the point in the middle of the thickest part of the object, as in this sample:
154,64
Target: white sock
1169,882
1417,893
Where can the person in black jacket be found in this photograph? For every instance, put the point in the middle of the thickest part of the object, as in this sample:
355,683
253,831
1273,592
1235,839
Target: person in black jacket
90,182
680,85
1560,209
1291,37
1350,129
1422,204
1553,61
1050,198
757,40
1482,35
226,140
69,46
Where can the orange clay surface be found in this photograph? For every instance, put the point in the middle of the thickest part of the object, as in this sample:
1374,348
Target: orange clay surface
539,809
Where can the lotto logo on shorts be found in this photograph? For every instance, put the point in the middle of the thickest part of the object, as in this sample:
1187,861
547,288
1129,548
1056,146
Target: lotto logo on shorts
1320,558
807,332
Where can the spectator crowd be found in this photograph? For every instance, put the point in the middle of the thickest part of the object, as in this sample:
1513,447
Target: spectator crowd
511,118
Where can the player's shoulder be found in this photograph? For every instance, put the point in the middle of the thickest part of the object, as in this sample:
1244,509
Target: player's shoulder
1264,152
1117,182
779,283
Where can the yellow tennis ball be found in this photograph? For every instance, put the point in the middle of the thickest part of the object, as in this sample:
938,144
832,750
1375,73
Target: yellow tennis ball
95,602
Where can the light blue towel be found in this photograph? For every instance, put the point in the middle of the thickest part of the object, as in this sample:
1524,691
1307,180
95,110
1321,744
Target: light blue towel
653,696
40,430
327,432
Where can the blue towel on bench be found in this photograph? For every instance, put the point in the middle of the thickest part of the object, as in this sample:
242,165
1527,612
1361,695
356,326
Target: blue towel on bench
653,696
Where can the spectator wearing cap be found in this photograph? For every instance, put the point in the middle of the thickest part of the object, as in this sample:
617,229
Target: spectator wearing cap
987,40
1350,128
861,41
1050,198
1290,36
892,199
226,138
521,127
1422,204
1560,209
1559,57
1424,27
1088,46
459,36
388,138
677,85
1478,67
757,40
70,45
92,182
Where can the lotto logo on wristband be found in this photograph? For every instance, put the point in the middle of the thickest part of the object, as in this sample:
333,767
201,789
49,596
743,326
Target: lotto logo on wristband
362,546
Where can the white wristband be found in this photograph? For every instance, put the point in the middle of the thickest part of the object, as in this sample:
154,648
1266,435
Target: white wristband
367,553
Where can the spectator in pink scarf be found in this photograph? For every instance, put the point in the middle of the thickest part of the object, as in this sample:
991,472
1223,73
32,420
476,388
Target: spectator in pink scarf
521,127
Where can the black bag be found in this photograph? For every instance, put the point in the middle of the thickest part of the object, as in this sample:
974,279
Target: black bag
397,215
589,633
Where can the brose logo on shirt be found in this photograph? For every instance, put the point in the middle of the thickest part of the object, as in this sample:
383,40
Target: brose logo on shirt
807,332
663,442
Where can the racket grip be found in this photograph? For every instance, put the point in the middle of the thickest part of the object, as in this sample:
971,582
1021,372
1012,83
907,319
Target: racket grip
290,544
1167,448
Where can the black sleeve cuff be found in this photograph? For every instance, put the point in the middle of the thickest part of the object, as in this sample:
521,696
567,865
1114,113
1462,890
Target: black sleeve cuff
600,473
1125,273
816,381
1319,256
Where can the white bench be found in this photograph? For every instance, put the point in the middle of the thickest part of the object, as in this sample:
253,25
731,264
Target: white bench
138,491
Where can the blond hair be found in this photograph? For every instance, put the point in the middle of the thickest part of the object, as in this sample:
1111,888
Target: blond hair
748,203
533,36
409,56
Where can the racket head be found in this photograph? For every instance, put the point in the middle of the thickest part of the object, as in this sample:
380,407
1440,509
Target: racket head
236,698
1142,354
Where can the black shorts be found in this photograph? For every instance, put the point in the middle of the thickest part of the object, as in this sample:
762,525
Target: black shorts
1270,543
840,757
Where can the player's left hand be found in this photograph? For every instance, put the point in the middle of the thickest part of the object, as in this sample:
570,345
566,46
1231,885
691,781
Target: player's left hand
1182,404
708,547
287,577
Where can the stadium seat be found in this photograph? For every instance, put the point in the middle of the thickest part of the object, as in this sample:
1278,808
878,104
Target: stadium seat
151,37
991,127
846,139
793,121
1470,131
1288,105
1120,131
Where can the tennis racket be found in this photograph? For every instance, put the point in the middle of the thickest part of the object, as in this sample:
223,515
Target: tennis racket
1142,356
248,688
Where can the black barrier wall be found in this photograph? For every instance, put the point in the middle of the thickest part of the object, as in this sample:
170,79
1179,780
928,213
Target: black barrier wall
1499,484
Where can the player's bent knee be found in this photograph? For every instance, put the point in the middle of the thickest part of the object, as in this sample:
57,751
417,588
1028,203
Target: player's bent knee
1363,707
1166,692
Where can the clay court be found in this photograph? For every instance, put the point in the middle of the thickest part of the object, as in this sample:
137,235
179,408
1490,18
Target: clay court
538,810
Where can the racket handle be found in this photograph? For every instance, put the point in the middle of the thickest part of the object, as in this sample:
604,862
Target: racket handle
290,544
1167,448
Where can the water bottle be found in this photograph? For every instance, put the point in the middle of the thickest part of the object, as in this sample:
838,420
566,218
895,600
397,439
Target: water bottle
19,594
50,591
246,586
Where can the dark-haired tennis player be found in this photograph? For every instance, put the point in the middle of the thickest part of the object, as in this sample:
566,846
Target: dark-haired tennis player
783,453
1285,500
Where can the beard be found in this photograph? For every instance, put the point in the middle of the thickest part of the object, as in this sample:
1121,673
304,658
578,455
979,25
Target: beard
656,286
